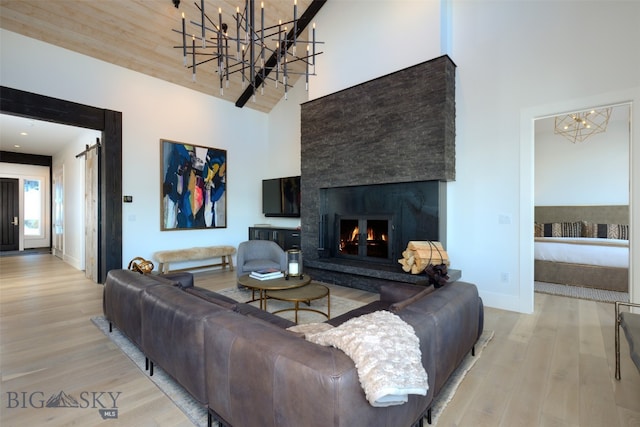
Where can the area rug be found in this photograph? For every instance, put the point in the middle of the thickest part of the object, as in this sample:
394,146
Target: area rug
580,292
456,378
339,305
197,414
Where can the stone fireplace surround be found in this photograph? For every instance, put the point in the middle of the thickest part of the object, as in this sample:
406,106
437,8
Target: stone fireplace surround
394,135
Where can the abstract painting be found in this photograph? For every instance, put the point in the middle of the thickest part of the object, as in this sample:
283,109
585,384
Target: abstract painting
194,184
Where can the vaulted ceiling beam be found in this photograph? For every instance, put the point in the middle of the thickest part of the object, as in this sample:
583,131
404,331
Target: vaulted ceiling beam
303,22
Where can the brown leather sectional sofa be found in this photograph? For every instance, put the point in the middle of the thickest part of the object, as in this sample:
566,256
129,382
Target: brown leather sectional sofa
248,370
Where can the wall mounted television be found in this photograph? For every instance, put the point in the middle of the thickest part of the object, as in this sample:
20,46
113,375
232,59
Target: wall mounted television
281,197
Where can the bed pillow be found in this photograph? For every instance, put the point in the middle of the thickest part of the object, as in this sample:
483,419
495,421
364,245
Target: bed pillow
559,229
538,230
606,231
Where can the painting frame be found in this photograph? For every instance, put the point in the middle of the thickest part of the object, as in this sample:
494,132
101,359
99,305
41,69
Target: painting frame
193,186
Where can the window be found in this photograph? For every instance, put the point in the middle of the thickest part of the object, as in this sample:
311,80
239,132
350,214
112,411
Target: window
33,207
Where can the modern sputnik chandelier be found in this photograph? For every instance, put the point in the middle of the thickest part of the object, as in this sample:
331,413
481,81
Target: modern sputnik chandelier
247,49
577,127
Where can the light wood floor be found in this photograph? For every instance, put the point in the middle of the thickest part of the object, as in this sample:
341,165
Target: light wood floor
552,368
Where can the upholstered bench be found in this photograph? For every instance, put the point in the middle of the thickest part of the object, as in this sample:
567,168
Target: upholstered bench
165,258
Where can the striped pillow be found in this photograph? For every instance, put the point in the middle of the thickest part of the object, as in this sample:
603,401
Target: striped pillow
559,229
606,231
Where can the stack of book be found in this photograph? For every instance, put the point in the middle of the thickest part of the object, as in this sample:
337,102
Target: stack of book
266,274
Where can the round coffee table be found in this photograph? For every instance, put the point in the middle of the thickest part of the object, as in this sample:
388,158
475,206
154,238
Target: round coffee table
305,294
262,286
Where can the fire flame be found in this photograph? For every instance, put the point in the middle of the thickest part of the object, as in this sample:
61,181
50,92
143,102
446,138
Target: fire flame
370,235
354,236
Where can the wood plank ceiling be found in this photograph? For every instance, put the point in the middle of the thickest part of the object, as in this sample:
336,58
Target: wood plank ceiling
137,34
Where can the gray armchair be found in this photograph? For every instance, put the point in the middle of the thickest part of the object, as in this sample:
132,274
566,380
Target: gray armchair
258,254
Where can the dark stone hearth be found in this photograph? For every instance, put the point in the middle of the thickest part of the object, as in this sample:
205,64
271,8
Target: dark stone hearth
365,276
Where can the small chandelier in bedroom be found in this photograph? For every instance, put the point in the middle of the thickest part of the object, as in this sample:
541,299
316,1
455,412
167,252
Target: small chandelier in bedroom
249,46
577,127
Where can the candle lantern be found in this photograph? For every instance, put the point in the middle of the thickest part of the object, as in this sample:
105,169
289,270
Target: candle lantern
294,263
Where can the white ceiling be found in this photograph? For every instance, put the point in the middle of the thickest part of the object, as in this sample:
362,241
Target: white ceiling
41,137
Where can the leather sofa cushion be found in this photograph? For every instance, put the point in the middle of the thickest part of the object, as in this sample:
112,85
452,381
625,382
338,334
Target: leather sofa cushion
173,334
395,292
262,376
182,279
212,297
365,309
396,295
397,306
454,312
121,300
242,308
256,313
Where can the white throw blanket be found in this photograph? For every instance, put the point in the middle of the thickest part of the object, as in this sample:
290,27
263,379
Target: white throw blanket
386,352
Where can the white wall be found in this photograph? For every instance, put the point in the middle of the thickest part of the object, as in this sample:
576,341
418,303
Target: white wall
517,62
366,39
153,109
283,157
592,172
74,229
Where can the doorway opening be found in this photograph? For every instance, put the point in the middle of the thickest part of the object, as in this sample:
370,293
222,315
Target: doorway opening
109,123
581,206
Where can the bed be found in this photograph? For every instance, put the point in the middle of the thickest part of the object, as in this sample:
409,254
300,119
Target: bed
582,246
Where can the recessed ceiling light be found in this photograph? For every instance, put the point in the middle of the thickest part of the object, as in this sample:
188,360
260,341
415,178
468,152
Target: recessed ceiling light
16,146
24,133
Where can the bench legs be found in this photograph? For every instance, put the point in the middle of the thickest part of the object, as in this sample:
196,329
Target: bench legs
225,261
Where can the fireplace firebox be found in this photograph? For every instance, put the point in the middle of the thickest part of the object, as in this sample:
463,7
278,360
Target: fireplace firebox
364,237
